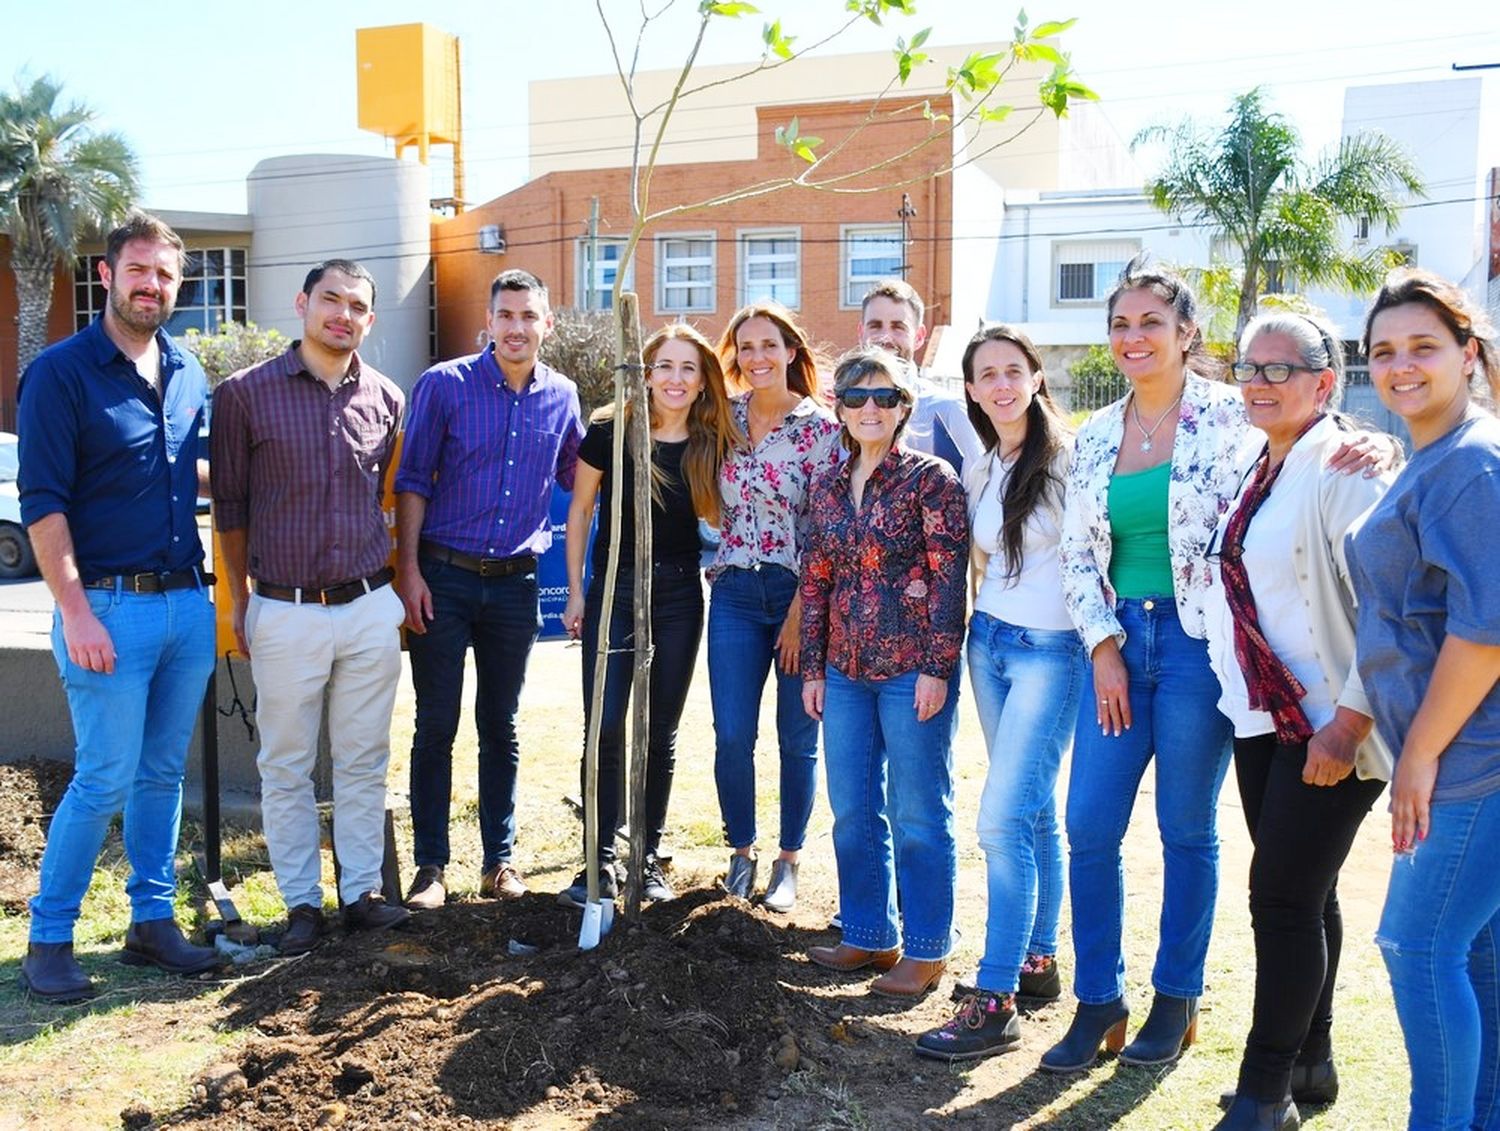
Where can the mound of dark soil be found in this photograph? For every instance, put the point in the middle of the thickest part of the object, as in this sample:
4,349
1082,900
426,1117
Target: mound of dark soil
29,793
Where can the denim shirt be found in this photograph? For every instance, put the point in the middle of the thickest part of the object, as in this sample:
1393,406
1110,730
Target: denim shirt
99,446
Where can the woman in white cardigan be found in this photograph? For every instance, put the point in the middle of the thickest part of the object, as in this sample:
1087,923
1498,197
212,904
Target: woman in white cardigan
1280,620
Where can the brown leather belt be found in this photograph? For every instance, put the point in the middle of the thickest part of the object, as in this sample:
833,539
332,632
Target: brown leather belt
484,567
334,595
153,582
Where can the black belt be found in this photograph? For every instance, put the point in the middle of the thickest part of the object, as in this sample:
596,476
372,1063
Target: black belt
153,582
334,595
484,567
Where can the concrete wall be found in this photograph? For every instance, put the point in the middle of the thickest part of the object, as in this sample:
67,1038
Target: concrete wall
374,209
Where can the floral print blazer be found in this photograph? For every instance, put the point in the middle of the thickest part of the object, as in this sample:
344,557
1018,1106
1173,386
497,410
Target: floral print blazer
1213,447
764,488
883,586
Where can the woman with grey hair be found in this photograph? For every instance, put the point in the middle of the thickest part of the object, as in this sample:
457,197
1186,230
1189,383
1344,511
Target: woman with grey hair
1280,620
882,628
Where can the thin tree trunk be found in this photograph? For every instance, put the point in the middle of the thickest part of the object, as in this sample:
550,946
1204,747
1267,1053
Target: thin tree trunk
629,351
33,304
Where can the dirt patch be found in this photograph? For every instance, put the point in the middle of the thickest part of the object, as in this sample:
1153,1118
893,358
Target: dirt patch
29,793
442,1024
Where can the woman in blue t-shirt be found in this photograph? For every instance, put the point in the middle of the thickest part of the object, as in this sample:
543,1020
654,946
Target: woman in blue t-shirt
691,432
1429,655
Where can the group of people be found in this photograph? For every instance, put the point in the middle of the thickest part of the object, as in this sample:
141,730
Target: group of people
1201,574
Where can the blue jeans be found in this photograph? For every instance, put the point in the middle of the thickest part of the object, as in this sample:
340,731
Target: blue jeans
1027,682
890,785
132,729
500,617
1174,705
676,627
745,613
1438,936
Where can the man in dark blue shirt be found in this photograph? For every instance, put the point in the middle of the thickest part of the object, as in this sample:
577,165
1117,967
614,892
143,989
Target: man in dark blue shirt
109,480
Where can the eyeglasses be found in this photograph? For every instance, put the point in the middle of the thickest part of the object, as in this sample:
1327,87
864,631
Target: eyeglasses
1275,372
883,398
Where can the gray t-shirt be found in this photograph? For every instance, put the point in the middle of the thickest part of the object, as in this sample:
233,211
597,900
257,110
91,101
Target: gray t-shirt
1423,565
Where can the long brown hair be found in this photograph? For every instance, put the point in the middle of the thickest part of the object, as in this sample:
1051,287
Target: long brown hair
801,371
711,429
1034,475
1464,318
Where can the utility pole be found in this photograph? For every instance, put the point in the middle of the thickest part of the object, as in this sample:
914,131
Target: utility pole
591,256
907,214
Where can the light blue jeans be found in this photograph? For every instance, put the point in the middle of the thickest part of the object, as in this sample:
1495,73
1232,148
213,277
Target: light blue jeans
1027,683
1438,936
890,786
1174,698
132,729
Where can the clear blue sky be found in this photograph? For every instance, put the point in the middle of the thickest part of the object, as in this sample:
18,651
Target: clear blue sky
204,91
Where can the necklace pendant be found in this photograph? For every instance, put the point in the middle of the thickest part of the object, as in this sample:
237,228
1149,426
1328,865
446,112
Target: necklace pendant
1146,445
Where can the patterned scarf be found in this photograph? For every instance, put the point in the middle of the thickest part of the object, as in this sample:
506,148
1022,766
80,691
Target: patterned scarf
1271,684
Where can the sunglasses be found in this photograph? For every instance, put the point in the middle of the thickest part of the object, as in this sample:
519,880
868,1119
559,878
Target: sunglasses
883,398
1276,372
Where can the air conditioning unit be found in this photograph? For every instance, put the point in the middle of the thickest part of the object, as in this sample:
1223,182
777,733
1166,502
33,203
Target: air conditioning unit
492,239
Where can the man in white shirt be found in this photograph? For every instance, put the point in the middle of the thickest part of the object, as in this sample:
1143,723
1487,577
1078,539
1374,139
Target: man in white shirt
891,316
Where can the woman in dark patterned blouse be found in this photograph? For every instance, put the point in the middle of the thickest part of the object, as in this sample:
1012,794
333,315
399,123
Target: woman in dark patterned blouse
882,626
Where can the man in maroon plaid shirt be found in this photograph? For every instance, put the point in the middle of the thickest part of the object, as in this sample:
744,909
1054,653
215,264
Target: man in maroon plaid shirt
300,448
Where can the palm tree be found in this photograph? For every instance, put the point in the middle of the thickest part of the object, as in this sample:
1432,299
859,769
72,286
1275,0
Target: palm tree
60,183
1250,184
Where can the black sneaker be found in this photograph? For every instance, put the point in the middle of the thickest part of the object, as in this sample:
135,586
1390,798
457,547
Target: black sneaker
1039,979
654,884
983,1025
576,894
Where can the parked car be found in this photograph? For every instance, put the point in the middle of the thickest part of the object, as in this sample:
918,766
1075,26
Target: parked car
16,557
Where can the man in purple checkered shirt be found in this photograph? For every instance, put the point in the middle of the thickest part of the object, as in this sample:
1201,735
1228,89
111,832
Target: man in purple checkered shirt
301,444
487,438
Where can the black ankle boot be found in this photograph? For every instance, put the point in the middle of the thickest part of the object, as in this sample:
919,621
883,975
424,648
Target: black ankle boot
1171,1026
159,942
1315,1084
51,973
1092,1026
983,1025
1249,1114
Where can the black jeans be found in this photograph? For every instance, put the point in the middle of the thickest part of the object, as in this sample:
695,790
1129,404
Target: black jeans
1302,833
676,627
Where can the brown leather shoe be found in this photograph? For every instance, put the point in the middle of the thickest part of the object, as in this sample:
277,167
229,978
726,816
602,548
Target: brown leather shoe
427,892
844,958
911,977
502,882
304,924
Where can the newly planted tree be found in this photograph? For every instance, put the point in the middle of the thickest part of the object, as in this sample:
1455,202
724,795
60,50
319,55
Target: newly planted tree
828,165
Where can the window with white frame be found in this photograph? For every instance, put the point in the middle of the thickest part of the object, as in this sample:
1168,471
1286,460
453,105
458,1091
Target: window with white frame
595,289
771,267
685,273
212,291
870,253
1084,272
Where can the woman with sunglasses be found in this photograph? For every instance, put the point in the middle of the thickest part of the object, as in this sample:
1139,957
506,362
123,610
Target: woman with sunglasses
1423,563
1026,667
1151,474
882,626
1280,620
691,433
754,609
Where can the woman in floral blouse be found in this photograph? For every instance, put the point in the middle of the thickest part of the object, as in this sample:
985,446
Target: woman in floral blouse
882,625
754,609
1151,474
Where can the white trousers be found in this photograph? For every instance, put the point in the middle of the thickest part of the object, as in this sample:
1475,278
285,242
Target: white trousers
296,651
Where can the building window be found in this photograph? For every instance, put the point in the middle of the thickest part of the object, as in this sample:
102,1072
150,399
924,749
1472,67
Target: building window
596,281
1085,272
213,291
771,267
869,255
685,274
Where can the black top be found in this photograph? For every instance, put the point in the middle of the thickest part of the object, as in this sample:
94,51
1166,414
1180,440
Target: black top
674,527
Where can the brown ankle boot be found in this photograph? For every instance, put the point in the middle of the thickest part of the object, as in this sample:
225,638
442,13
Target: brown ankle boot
911,977
845,958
